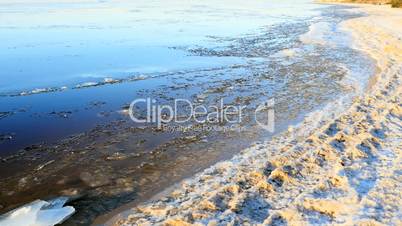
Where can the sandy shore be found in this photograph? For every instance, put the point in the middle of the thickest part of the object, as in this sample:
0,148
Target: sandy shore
344,168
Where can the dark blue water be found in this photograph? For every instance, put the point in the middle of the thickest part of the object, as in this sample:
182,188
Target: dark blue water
51,48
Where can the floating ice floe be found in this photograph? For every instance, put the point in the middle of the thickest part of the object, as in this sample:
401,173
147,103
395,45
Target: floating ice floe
137,77
39,213
37,91
41,90
110,80
86,84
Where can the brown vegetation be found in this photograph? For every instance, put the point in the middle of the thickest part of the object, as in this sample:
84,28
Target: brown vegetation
396,3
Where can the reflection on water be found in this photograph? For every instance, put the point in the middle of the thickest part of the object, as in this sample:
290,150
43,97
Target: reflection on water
56,44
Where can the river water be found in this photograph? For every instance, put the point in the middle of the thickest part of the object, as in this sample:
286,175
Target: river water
70,69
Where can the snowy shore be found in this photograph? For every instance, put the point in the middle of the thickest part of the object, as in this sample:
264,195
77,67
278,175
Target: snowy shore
342,169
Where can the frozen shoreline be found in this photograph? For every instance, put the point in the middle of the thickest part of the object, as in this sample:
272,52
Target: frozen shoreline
347,171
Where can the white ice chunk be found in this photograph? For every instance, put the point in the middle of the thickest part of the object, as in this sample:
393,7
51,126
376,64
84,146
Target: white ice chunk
38,213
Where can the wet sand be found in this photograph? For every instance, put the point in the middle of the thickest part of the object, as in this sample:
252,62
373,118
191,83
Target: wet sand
333,168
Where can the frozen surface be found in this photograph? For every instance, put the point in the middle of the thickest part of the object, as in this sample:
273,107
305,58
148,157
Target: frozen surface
38,213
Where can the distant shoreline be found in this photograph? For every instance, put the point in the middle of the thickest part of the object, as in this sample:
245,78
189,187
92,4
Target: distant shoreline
392,3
